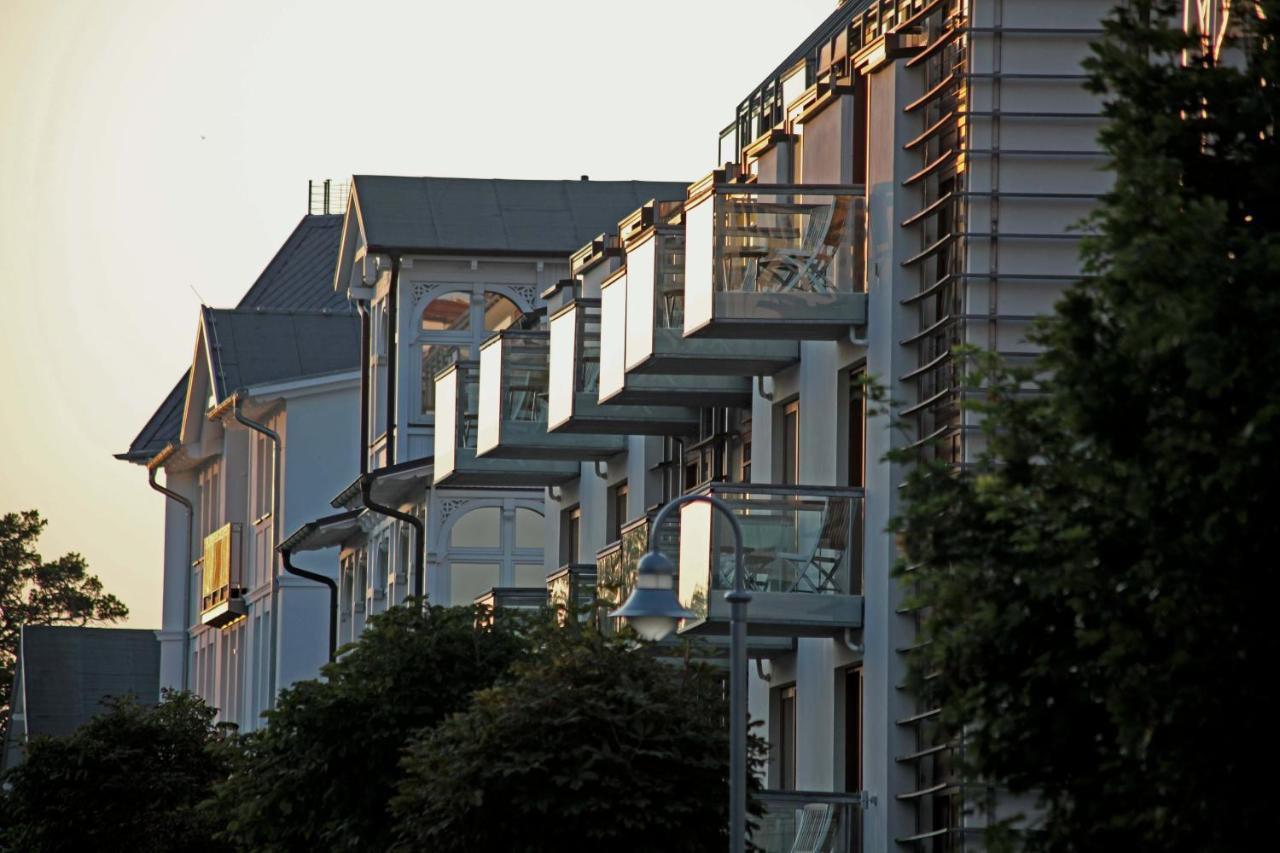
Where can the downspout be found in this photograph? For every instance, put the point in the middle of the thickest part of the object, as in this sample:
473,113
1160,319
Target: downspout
419,531
364,387
286,556
392,347
238,402
186,571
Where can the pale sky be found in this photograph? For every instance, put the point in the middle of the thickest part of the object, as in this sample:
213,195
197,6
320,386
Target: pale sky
151,148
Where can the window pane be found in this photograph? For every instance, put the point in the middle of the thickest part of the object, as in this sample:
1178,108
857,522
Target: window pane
468,580
529,532
479,528
530,575
450,312
499,312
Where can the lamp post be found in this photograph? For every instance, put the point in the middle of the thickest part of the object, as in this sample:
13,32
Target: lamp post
653,609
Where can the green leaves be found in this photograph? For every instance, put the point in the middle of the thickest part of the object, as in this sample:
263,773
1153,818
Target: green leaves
1098,584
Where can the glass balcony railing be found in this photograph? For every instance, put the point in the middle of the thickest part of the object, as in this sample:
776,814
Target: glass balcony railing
572,585
574,405
814,821
456,436
513,598
655,341
619,386
777,261
515,385
802,559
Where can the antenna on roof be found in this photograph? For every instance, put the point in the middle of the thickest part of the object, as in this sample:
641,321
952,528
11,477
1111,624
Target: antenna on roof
197,293
327,196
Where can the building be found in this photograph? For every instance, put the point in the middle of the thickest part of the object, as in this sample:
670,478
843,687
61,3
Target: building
65,673
247,441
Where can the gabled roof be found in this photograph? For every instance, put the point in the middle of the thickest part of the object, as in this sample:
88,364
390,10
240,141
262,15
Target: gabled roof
494,216
65,673
299,277
250,347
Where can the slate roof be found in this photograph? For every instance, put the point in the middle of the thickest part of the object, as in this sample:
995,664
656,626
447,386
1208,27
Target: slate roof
66,672
495,215
249,346
299,277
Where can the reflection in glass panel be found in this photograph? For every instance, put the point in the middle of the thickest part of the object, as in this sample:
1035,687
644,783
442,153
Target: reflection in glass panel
479,528
499,312
469,580
450,312
529,529
436,357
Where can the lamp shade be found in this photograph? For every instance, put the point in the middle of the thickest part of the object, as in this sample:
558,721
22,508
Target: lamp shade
652,609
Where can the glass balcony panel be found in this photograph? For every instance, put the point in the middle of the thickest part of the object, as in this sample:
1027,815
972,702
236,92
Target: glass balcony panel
456,436
613,327
802,559
809,820
564,382
782,260
655,319
573,584
515,375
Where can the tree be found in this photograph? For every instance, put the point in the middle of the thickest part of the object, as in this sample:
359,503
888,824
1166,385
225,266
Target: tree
320,773
589,745
33,592
1099,585
129,779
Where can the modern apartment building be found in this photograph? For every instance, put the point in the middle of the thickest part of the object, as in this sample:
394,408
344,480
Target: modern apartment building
904,183
245,442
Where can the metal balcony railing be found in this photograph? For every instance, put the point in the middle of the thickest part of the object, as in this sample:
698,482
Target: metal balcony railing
812,821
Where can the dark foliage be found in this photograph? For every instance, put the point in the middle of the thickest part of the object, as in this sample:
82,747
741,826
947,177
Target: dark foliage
1101,583
590,745
320,774
131,780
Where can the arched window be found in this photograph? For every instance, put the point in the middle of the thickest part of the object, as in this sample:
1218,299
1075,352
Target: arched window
446,337
499,312
449,312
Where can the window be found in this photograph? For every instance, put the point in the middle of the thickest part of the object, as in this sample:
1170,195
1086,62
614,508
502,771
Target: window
499,312
479,528
570,529
448,313
452,327
468,581
790,468
618,512
853,729
858,428
785,738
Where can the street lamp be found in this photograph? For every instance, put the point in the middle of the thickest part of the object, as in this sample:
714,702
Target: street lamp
653,609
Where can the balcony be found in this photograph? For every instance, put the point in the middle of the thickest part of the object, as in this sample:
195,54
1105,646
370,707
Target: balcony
572,586
514,391
655,299
456,464
574,405
815,821
619,386
222,587
802,559
774,261
615,578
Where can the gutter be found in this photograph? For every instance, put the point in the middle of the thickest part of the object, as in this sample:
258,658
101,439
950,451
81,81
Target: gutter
237,402
286,549
155,462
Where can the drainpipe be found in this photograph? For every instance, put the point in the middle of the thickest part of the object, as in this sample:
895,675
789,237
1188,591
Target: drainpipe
419,531
286,556
238,402
392,346
364,386
186,568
